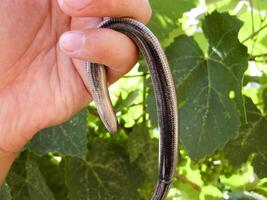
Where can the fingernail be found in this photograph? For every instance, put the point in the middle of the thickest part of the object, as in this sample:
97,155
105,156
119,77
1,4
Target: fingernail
72,41
77,4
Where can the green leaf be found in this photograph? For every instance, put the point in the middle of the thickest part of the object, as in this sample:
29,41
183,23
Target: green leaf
210,192
240,195
52,169
259,5
26,181
5,192
148,163
185,191
37,187
69,138
252,140
137,141
222,5
264,97
166,15
208,116
128,101
16,179
231,5
107,174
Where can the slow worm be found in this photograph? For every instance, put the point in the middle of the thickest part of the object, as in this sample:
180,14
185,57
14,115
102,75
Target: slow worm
164,91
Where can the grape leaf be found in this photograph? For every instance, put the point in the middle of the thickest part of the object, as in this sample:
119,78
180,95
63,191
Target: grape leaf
127,102
5,192
221,31
252,139
137,141
165,18
148,163
17,177
208,116
37,187
222,5
53,171
259,5
264,97
69,138
26,181
107,174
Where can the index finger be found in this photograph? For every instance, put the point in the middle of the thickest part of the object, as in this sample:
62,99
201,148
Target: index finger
137,9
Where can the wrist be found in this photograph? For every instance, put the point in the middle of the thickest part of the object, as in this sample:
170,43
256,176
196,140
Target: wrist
14,133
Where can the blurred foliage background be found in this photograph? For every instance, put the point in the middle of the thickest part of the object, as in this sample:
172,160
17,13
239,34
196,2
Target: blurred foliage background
217,51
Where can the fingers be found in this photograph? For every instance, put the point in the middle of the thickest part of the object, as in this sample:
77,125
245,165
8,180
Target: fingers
104,46
84,23
137,9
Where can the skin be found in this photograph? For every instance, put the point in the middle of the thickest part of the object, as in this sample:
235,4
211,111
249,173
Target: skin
42,77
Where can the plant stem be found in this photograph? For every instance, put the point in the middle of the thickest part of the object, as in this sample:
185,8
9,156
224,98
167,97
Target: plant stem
186,180
252,16
258,56
135,76
254,34
136,104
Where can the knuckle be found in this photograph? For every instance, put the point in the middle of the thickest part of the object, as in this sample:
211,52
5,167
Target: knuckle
148,12
103,7
95,49
145,11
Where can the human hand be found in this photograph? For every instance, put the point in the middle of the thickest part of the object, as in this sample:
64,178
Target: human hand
42,82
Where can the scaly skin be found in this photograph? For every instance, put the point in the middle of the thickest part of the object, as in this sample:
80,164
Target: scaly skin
164,91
